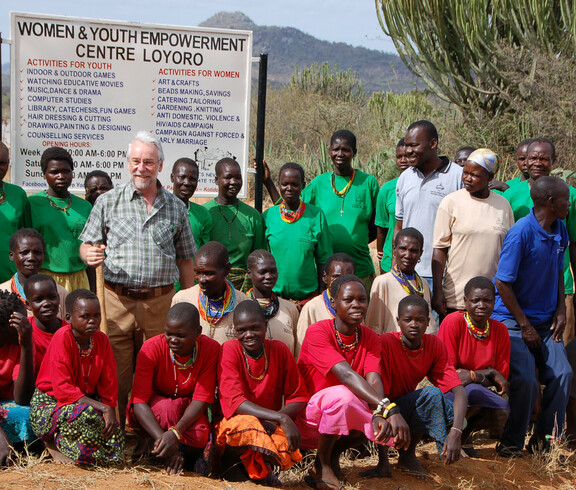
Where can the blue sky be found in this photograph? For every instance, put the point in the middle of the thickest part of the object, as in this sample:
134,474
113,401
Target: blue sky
354,23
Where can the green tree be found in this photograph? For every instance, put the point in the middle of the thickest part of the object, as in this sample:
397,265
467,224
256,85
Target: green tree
453,44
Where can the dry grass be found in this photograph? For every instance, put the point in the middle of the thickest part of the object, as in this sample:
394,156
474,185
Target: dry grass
547,472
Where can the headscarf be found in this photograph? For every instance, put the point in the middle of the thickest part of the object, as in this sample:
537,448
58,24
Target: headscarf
486,158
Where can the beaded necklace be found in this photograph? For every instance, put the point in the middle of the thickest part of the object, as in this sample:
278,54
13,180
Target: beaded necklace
410,352
189,362
214,310
16,287
270,307
406,284
341,344
229,222
326,297
246,355
183,366
344,191
476,332
3,196
55,206
83,354
290,216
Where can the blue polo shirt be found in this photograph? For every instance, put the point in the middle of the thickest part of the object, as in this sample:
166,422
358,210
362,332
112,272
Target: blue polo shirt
531,260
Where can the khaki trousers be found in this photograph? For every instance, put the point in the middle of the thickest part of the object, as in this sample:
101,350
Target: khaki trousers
130,323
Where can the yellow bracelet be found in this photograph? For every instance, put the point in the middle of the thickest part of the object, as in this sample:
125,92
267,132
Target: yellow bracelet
387,410
176,432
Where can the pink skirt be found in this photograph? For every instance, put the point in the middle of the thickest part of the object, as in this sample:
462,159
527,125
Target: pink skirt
334,411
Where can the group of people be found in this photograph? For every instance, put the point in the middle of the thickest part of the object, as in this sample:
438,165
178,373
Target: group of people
232,340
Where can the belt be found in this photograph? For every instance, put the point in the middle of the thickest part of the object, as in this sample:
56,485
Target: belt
135,293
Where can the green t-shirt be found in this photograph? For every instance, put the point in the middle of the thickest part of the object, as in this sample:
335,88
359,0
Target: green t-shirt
297,248
349,218
520,201
241,234
514,181
14,214
60,230
386,218
200,222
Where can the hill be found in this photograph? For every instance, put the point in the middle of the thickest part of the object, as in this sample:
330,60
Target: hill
288,47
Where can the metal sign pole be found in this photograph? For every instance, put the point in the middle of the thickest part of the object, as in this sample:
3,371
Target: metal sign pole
260,125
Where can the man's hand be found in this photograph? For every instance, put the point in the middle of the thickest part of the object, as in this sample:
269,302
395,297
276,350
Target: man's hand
439,302
558,326
501,383
530,336
95,255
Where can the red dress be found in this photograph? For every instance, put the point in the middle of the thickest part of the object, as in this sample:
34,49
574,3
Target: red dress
67,377
169,391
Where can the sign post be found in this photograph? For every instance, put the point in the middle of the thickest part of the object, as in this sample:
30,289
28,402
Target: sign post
88,85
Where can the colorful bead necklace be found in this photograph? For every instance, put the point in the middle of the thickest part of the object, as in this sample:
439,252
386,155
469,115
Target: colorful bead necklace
189,362
182,367
406,284
290,216
270,307
476,332
16,287
55,206
261,377
341,344
412,353
344,191
84,353
213,311
326,297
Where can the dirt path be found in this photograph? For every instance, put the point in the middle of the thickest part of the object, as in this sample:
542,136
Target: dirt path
487,471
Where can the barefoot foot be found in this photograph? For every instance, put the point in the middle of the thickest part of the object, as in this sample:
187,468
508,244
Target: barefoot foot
381,471
409,464
58,457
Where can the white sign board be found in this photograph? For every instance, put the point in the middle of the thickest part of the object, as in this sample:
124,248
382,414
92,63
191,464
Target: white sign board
88,85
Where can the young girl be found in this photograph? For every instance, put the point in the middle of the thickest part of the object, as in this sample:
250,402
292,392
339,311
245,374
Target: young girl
298,237
348,198
73,408
16,374
281,315
320,307
479,348
60,217
27,251
403,280
407,357
174,384
340,362
44,302
261,393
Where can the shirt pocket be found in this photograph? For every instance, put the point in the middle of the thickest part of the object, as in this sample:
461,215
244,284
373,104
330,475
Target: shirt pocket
122,231
163,235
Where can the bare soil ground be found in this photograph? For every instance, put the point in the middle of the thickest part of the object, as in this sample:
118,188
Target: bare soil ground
486,471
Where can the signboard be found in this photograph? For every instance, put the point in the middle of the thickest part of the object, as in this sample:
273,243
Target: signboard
88,85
